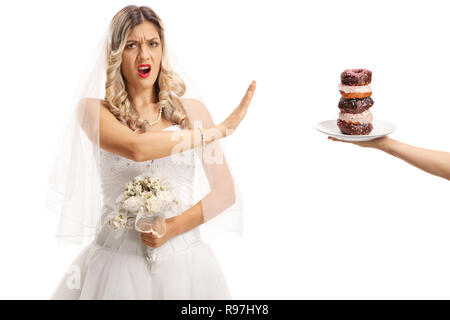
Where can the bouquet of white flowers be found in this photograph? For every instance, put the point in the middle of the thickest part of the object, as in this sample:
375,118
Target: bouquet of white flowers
144,201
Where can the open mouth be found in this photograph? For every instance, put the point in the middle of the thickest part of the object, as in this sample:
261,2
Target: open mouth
144,70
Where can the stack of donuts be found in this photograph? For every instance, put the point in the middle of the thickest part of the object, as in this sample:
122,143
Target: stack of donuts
355,117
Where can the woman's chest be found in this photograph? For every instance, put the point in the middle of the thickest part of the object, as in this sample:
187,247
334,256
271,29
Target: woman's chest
176,166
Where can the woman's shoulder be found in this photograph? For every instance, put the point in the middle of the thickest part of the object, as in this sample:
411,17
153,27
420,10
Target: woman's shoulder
197,110
93,103
193,103
195,106
96,108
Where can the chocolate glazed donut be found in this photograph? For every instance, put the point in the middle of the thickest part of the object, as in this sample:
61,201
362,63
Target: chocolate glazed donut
351,79
354,129
356,77
355,105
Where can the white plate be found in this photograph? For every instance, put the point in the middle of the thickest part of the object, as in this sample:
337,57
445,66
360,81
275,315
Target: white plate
380,128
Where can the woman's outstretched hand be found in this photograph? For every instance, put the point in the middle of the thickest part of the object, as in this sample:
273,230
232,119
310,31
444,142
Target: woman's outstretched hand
378,143
230,124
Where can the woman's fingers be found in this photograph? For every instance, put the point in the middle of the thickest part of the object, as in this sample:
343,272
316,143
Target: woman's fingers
245,102
145,235
154,243
230,124
149,244
149,236
334,139
250,92
358,143
241,110
152,239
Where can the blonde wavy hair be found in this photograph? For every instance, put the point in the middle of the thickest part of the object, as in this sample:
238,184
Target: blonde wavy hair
169,86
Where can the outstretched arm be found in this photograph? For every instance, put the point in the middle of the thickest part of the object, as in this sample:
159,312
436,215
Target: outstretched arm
115,137
431,161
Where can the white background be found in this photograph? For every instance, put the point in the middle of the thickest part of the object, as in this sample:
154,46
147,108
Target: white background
322,219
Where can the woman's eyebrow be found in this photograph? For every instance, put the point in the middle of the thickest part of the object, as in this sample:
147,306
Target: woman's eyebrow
145,40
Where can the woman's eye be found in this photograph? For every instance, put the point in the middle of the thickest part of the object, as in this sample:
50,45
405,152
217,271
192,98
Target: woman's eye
153,44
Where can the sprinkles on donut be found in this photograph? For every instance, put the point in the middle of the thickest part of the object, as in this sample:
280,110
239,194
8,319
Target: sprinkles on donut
355,117
355,105
356,77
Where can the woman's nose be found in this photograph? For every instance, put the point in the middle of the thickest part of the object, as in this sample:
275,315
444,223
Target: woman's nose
144,53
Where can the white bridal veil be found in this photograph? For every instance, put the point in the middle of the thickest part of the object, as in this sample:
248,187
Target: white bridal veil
74,188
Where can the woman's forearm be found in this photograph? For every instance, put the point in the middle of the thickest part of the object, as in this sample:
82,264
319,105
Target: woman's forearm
159,144
431,161
216,202
191,218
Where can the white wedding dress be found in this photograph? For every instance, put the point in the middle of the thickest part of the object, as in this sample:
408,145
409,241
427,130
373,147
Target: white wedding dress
114,266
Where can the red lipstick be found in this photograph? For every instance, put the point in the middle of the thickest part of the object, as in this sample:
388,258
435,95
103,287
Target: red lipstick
144,70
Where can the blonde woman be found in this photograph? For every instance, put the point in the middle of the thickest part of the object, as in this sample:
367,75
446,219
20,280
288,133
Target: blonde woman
143,99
